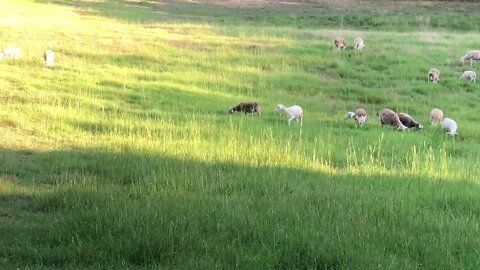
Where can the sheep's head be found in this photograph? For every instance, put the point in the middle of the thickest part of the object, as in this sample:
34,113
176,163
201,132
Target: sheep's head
452,133
237,108
349,115
279,107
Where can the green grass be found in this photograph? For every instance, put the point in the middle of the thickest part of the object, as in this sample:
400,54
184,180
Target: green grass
123,154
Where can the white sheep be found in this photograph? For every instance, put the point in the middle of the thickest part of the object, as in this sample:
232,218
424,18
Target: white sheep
471,55
294,112
49,58
450,126
434,75
358,43
436,116
340,43
469,75
359,115
389,117
10,52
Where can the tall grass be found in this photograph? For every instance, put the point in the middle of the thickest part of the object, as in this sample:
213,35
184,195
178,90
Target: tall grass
124,156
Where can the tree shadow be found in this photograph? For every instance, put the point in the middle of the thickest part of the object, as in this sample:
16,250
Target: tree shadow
103,208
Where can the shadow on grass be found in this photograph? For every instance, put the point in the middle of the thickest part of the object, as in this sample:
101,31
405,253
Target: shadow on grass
98,208
297,14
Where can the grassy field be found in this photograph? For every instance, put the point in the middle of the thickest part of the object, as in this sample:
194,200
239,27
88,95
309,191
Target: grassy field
123,155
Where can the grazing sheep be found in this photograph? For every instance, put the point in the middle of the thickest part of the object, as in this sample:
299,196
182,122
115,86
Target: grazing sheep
450,126
471,55
360,115
389,117
469,75
436,116
340,43
408,121
246,107
294,112
49,58
10,51
358,43
434,75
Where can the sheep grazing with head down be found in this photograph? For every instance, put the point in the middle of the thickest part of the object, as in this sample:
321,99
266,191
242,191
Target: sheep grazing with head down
49,58
436,116
13,52
390,118
450,126
434,75
294,112
471,55
359,115
340,43
408,121
246,107
358,43
469,75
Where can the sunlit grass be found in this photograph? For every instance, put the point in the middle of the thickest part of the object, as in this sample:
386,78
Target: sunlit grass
123,154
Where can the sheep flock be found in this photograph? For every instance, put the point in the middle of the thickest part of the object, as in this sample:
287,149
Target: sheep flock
387,117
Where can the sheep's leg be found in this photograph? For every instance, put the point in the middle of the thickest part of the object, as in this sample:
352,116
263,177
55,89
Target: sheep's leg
289,121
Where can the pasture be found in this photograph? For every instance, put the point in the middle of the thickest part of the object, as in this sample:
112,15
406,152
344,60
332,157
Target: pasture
123,156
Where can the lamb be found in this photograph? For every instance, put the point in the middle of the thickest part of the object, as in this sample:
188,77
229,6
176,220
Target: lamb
246,107
10,51
436,116
434,75
359,115
469,75
49,58
450,126
471,55
408,121
389,117
358,43
340,43
294,112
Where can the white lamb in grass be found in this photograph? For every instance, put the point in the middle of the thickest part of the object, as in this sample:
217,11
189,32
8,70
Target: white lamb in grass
358,43
49,58
10,52
436,116
294,112
450,126
469,75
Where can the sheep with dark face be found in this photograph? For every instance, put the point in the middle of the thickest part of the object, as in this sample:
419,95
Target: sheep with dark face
434,75
390,118
246,107
471,55
340,43
436,116
359,115
408,121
